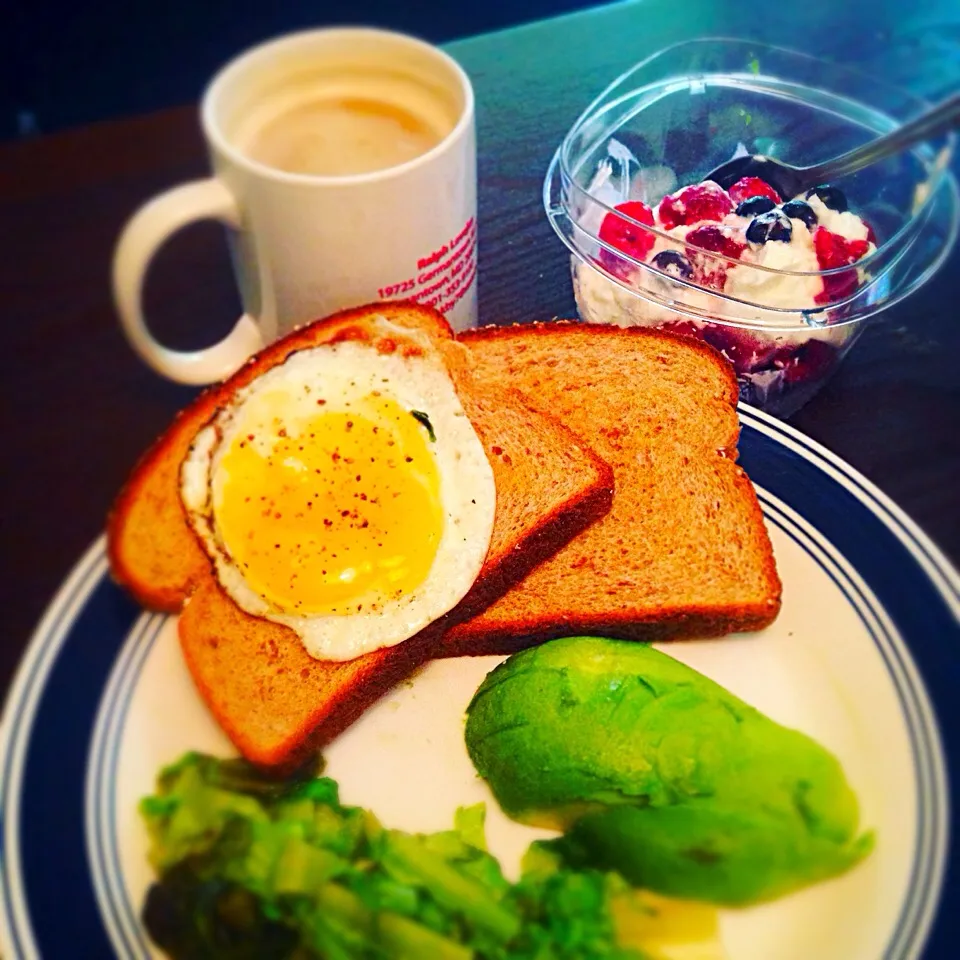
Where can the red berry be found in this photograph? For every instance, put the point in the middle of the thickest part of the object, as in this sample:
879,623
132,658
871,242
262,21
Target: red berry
838,286
748,187
809,361
709,271
700,201
626,236
836,251
615,264
717,240
686,328
746,352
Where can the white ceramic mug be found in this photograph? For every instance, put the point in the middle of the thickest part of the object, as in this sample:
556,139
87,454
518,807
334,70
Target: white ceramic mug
305,245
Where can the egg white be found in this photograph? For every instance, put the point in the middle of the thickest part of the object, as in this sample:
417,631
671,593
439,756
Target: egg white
344,371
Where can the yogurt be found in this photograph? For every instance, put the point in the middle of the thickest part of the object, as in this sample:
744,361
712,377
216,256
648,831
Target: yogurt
736,268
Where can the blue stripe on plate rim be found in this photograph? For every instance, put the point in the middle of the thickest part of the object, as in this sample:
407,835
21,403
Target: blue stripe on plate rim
18,718
927,868
53,631
119,916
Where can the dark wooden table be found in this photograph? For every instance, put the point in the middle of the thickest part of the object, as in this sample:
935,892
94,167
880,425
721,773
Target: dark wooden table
78,407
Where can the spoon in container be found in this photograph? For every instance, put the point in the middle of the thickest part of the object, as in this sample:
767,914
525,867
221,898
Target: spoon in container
790,181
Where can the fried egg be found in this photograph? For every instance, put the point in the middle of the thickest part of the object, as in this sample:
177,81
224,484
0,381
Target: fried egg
344,494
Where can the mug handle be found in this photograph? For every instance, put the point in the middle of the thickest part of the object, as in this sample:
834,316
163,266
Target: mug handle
149,228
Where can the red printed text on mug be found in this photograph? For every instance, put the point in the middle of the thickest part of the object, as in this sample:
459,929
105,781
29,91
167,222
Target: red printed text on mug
444,276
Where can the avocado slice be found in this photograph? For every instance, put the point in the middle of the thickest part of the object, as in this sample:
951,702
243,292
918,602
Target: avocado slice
660,773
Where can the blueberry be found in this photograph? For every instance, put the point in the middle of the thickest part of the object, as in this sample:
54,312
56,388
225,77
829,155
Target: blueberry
799,210
754,206
770,226
673,263
832,197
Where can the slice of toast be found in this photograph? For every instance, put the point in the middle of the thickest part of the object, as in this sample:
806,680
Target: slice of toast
152,550
684,551
274,701
290,703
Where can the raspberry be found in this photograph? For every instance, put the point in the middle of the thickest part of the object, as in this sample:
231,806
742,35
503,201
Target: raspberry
686,328
708,271
626,236
700,201
836,251
716,240
747,353
837,286
752,187
809,361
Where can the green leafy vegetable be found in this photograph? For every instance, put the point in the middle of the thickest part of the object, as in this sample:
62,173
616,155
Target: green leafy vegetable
423,419
251,867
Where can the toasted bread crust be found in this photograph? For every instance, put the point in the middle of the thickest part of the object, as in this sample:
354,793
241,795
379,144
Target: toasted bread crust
554,527
273,700
550,328
309,702
535,613
477,638
218,638
151,549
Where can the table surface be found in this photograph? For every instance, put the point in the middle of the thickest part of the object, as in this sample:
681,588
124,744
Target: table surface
78,407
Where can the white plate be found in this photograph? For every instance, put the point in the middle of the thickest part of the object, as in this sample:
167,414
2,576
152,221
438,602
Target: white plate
103,700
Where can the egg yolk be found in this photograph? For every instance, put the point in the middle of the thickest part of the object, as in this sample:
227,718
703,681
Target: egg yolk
333,512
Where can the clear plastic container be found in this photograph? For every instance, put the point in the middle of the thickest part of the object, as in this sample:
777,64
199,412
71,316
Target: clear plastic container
677,115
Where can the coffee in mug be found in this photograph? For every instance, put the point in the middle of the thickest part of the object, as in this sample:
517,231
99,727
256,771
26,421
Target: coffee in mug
344,164
339,134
